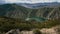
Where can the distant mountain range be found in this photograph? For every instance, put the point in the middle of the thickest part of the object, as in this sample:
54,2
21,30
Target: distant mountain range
38,5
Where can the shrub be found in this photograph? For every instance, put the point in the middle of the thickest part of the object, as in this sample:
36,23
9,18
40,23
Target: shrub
37,31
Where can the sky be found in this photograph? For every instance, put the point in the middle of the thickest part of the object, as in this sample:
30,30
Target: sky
27,1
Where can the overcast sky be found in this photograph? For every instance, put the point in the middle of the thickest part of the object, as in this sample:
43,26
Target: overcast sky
27,1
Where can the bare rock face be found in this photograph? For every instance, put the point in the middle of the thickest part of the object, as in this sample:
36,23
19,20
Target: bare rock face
19,32
53,30
48,31
14,31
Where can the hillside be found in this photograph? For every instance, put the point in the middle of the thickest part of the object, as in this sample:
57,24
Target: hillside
7,24
14,16
20,12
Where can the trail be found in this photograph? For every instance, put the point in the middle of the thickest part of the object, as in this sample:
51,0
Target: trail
51,12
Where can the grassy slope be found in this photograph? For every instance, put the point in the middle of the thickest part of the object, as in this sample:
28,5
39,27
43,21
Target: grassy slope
8,23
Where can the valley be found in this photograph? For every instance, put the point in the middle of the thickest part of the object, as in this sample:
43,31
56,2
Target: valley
27,18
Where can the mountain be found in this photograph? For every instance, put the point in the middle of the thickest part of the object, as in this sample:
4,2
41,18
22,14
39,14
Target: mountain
21,12
13,11
37,5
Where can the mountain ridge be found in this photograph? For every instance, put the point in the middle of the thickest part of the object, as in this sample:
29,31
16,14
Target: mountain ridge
37,5
20,12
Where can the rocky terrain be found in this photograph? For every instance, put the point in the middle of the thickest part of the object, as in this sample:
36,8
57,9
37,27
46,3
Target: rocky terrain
53,30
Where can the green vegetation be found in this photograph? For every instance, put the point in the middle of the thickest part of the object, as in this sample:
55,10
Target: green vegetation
13,10
7,24
37,31
16,11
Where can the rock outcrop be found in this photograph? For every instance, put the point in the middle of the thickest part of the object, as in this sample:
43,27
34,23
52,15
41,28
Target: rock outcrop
53,30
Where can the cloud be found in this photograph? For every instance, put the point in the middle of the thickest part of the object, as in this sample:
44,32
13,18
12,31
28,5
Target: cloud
31,1
27,1
2,1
